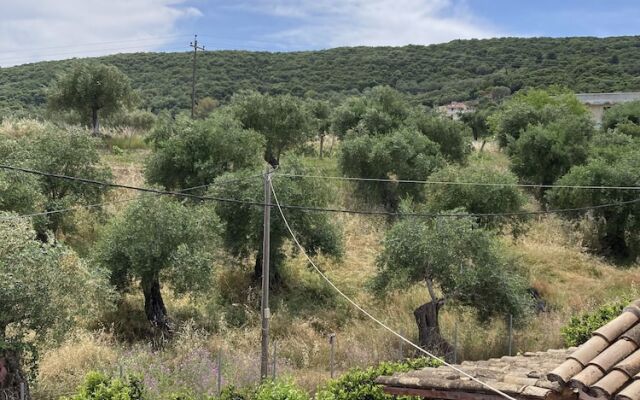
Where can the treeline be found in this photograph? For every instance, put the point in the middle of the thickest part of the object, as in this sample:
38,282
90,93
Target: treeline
430,75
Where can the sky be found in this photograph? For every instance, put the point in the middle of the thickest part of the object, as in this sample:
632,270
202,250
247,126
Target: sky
37,30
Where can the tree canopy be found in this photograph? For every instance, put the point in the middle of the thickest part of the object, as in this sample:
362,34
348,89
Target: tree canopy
89,89
159,239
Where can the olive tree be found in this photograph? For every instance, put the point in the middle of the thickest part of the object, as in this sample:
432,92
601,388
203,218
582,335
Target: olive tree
91,89
495,193
283,120
44,289
453,137
459,263
616,228
403,154
190,153
622,114
544,153
320,111
317,232
159,239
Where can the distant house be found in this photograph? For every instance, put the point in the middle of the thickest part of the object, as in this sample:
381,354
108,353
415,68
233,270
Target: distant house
606,367
455,109
598,103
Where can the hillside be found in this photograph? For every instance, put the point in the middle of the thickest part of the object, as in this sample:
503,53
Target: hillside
458,70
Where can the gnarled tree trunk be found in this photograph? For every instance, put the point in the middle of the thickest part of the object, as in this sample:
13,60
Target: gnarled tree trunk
95,123
429,335
12,376
154,307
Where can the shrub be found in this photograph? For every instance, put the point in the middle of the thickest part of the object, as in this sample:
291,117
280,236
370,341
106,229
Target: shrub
98,386
580,327
280,390
358,384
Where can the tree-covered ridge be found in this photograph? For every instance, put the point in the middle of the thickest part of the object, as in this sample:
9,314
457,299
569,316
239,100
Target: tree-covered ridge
435,74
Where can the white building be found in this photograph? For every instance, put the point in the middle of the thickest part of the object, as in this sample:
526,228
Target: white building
598,103
455,109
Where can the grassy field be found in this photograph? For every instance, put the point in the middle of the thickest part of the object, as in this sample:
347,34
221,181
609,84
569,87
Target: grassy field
305,311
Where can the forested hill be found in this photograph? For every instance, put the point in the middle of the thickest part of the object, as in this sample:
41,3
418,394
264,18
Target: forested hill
458,70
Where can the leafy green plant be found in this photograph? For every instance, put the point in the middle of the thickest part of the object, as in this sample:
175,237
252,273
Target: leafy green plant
580,327
280,390
359,384
98,386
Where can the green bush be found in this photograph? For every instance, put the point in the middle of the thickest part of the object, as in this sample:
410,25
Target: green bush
98,386
280,390
358,384
580,327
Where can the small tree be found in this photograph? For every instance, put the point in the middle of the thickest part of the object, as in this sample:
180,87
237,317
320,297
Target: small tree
158,238
532,107
243,222
455,258
453,137
544,153
90,89
44,288
283,120
615,228
191,153
320,112
624,113
477,199
404,154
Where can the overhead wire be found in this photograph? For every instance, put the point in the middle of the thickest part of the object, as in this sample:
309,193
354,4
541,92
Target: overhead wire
364,311
318,209
456,183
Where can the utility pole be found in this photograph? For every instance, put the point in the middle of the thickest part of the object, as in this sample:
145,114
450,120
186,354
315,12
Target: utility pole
194,44
266,242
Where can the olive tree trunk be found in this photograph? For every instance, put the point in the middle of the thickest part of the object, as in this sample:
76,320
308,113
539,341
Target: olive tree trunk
95,123
12,375
154,307
429,335
322,135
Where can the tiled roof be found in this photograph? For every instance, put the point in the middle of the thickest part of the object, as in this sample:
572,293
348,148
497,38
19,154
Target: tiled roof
523,376
607,366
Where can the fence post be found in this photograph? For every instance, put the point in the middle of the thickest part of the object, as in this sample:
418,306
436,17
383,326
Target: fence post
219,377
510,332
275,358
402,346
332,342
455,343
22,391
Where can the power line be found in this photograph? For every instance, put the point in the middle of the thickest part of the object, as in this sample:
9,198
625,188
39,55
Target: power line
319,209
365,312
488,184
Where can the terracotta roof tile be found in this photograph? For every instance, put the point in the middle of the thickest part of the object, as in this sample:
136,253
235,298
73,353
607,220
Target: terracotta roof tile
606,367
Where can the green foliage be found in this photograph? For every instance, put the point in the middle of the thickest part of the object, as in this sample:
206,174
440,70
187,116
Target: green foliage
580,327
280,390
50,149
380,111
98,386
453,137
533,107
436,74
89,88
616,228
190,153
477,122
403,154
283,120
467,263
205,107
158,238
623,113
140,120
359,384
243,222
474,199
543,153
44,287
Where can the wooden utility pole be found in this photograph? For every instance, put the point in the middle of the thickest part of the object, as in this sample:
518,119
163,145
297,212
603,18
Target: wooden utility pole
266,242
194,44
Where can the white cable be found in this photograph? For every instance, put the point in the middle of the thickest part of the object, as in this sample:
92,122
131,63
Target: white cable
365,312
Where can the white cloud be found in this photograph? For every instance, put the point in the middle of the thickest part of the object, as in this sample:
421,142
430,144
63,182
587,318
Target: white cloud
32,30
331,23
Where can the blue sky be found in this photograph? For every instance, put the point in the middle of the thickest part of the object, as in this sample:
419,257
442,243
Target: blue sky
34,30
